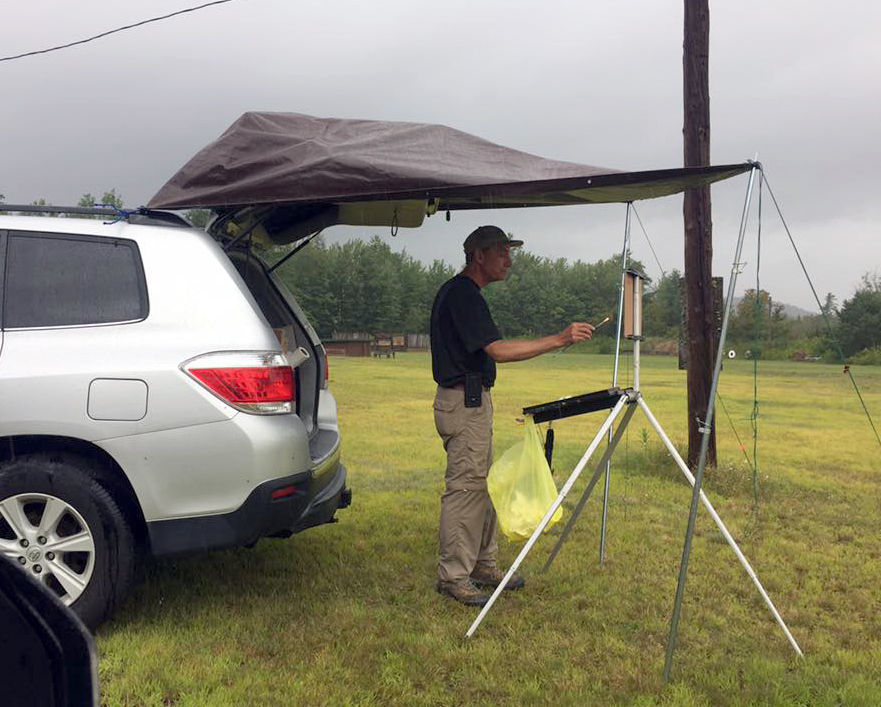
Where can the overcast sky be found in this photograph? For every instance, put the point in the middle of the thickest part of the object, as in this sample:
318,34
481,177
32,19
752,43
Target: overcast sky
796,82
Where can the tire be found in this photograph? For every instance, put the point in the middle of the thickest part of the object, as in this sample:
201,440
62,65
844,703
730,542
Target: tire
62,526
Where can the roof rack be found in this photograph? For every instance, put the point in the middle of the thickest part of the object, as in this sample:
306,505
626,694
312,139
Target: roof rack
141,215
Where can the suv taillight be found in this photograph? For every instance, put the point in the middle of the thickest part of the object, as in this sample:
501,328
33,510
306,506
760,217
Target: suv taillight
249,381
326,370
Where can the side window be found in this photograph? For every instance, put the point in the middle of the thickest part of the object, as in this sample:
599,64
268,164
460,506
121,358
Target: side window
62,280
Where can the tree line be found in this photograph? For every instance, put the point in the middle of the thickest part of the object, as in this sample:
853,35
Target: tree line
365,286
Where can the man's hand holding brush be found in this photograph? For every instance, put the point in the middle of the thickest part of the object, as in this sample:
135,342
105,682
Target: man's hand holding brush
578,331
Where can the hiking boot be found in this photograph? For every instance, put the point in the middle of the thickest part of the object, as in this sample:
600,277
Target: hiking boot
464,592
493,576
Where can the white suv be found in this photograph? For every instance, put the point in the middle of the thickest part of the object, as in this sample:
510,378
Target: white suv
160,391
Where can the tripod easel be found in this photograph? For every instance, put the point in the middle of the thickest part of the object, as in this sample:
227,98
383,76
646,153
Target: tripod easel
619,402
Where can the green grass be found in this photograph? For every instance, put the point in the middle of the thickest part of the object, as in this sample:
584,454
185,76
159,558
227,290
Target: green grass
346,614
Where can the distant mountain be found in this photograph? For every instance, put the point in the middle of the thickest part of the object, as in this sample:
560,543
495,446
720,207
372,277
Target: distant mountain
793,312
789,310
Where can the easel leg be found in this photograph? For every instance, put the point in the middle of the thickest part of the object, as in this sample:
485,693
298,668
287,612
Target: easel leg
550,514
602,466
724,530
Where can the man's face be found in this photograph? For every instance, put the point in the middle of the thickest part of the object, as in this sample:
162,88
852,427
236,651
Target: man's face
496,262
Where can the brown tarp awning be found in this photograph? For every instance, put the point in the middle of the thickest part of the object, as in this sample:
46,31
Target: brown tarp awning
305,162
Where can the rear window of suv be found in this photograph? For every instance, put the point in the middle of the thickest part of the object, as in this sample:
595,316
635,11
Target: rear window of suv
66,280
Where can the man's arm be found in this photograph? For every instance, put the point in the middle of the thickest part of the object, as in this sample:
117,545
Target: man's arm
506,350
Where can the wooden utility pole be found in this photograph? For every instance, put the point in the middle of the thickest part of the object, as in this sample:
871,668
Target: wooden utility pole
698,226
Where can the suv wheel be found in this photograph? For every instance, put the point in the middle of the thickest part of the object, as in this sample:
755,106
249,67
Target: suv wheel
63,528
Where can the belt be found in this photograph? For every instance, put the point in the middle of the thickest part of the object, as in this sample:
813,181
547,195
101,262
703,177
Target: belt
459,386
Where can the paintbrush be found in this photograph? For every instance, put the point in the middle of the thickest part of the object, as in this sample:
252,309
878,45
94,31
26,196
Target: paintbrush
595,328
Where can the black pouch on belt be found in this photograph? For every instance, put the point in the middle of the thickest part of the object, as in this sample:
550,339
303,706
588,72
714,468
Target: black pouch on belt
473,390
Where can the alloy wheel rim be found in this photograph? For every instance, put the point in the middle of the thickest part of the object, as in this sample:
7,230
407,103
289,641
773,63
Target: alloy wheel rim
50,540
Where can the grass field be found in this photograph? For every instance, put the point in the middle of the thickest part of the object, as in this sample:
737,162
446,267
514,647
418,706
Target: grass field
346,614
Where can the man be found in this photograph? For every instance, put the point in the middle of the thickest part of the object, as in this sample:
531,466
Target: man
465,347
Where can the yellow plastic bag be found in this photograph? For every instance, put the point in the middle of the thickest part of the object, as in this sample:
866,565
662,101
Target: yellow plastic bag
521,487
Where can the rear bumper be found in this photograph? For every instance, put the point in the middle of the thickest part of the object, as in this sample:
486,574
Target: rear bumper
301,502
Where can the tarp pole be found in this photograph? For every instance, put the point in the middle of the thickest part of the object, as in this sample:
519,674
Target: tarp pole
706,426
624,251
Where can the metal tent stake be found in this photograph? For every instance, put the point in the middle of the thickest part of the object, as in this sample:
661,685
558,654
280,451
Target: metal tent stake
627,401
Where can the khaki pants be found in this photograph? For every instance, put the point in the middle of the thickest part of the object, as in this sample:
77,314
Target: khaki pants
467,519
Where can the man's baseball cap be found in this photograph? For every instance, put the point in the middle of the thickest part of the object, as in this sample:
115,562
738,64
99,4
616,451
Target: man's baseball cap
485,236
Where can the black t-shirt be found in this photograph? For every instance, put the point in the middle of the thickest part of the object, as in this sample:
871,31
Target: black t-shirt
461,326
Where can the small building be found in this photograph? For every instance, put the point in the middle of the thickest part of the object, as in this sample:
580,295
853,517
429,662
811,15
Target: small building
347,347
